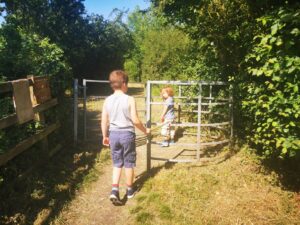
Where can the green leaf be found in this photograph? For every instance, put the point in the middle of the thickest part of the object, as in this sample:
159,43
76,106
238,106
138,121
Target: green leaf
274,29
295,31
284,150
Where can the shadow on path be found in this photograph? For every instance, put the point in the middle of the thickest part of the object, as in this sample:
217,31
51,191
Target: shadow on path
39,197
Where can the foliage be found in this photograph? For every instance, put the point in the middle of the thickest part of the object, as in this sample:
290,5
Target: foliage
227,25
164,51
24,53
91,45
272,103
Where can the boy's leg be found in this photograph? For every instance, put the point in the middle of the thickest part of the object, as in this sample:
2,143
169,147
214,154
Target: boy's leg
129,173
128,143
116,175
114,195
117,158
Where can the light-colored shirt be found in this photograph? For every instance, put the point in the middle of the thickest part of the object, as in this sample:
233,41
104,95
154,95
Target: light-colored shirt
169,102
118,109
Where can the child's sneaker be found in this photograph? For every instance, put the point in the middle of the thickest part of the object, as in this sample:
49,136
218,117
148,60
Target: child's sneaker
115,197
172,142
130,193
165,144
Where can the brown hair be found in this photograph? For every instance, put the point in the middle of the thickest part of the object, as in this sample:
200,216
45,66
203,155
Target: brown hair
169,90
117,78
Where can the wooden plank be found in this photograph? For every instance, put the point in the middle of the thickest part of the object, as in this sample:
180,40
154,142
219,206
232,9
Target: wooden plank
22,146
44,106
40,93
12,119
7,86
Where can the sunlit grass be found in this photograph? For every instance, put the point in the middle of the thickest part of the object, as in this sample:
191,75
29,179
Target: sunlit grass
237,191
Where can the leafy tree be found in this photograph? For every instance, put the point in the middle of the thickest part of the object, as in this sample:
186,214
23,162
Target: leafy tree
272,103
164,51
22,54
92,46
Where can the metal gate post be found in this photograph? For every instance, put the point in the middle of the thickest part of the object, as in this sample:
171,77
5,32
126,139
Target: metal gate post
84,109
75,113
148,123
179,106
199,122
231,110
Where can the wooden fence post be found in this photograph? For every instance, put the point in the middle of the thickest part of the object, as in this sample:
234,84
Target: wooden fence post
40,116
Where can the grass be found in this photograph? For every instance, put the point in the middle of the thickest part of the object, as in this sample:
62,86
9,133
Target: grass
236,191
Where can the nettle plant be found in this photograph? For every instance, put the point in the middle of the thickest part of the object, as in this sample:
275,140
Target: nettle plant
272,102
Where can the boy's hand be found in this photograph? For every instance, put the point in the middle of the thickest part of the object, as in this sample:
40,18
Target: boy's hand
105,141
148,131
162,119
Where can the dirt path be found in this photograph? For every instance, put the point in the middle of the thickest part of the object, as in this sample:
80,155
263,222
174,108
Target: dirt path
92,206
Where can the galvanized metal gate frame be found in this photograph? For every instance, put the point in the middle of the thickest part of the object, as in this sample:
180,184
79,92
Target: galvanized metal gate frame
199,123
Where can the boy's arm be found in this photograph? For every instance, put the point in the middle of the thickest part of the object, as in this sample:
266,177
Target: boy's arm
134,116
105,124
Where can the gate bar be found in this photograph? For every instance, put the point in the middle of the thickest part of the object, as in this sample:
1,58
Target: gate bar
199,121
84,108
188,82
148,124
75,113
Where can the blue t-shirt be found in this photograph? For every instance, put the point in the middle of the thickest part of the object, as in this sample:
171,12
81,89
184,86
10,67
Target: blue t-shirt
169,102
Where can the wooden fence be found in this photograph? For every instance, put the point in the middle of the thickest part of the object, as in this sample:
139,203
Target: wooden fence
41,101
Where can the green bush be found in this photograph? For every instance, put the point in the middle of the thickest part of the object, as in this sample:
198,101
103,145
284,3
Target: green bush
272,102
23,53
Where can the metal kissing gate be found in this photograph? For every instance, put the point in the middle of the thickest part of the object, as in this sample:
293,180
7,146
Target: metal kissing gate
202,104
205,108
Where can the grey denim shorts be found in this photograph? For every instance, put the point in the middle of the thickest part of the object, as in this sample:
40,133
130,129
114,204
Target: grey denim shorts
122,145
